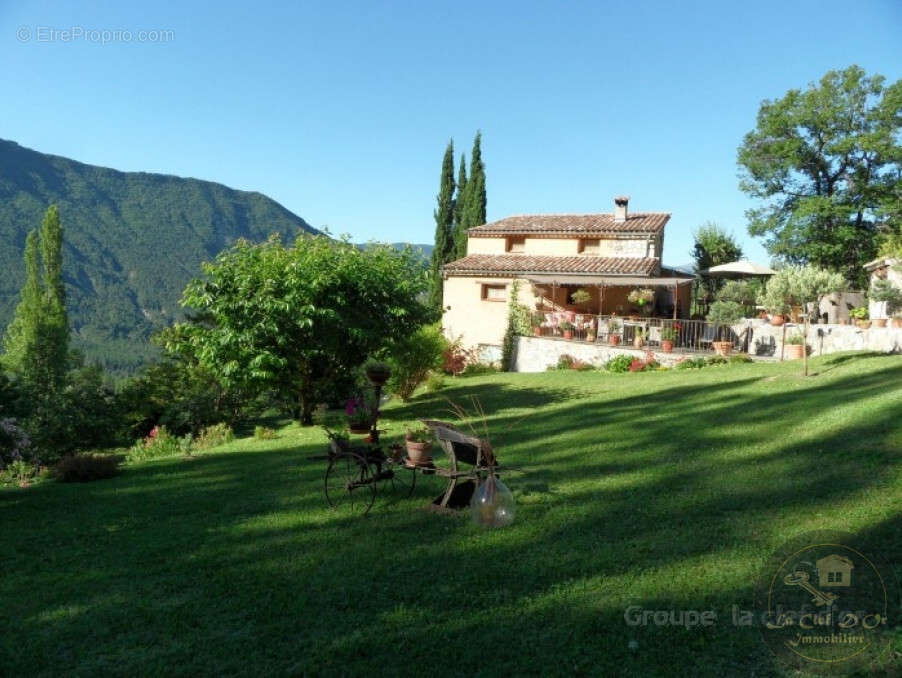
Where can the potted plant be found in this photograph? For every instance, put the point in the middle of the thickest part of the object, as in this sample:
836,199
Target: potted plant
419,443
794,346
886,291
536,320
567,329
668,336
860,315
792,287
639,338
590,334
361,414
724,313
377,372
643,298
613,329
581,297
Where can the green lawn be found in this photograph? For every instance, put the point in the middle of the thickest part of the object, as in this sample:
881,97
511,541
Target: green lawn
665,490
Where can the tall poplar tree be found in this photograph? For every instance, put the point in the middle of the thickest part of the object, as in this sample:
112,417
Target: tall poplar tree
37,340
444,249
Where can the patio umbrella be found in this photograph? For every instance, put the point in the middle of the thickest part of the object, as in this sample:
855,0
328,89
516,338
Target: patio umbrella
738,269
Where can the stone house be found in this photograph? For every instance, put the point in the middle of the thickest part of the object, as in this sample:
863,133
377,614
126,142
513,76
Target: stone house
553,255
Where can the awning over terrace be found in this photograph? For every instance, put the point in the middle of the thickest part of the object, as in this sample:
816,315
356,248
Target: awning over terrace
609,280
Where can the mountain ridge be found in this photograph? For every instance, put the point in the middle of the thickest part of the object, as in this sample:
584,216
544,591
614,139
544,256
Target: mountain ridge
132,241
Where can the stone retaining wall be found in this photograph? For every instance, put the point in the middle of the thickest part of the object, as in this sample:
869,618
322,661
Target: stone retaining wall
767,340
536,354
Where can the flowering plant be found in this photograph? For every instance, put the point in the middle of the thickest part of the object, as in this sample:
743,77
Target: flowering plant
360,412
641,296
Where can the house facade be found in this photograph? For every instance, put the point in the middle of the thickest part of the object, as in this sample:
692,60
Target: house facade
606,255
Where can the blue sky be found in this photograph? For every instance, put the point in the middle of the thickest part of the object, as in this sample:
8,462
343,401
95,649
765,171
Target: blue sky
341,110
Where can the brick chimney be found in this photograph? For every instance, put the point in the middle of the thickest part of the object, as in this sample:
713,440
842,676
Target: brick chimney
620,205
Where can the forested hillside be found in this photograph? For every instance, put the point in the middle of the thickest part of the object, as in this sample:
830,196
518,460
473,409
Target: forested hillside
132,242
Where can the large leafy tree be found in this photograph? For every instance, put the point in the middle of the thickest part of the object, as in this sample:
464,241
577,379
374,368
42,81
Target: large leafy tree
298,319
827,165
444,249
713,246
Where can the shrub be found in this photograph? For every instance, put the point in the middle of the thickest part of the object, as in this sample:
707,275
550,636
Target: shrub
18,472
83,468
885,290
474,369
725,312
214,436
565,362
716,360
265,433
620,363
414,357
740,358
795,339
640,365
690,364
455,357
158,443
568,362
435,382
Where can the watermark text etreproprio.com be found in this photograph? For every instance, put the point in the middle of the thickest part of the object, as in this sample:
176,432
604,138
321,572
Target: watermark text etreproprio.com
101,36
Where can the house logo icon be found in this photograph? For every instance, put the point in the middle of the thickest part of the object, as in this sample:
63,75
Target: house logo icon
834,570
826,602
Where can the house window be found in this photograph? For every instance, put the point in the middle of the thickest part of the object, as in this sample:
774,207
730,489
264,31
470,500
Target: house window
494,292
589,245
516,244
834,577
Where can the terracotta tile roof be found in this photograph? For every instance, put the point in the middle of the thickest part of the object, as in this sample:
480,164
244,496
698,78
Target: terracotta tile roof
521,263
581,224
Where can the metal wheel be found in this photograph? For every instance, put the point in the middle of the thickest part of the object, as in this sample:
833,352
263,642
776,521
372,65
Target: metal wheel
350,485
404,481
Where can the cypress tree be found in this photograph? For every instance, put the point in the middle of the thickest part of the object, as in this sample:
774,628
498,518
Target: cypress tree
444,225
460,211
476,197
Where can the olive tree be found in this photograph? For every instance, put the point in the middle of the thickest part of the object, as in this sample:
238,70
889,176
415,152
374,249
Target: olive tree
797,286
299,319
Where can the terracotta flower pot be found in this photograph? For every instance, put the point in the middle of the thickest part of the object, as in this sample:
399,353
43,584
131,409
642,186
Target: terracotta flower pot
863,324
568,334
418,452
879,322
794,351
537,331
776,320
897,322
667,345
638,342
723,348
614,339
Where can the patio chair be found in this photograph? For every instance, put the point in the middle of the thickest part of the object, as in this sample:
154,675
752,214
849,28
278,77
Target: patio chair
708,336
